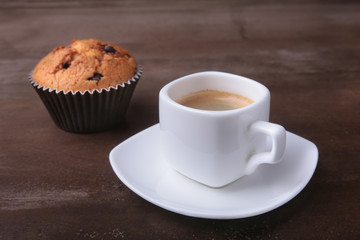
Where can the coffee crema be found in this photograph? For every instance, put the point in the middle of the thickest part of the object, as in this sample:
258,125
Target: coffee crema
214,100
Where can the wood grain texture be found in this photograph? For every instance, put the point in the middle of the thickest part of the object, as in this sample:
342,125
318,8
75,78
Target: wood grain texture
58,185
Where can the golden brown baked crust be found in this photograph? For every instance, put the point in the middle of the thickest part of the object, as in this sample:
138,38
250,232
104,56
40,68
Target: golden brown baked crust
85,65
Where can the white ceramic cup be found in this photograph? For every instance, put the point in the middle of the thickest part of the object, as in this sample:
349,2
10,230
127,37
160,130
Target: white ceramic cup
216,148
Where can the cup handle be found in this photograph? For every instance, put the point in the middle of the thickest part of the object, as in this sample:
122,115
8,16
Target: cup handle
277,134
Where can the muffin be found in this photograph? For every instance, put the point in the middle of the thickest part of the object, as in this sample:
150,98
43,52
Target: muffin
86,86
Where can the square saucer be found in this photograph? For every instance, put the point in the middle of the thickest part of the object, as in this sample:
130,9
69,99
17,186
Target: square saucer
139,165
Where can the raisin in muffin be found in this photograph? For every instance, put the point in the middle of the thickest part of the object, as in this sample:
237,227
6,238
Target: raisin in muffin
86,86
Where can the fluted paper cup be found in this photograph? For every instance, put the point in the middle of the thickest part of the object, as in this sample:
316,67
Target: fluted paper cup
89,111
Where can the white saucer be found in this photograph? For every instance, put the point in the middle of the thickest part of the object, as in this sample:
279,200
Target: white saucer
138,164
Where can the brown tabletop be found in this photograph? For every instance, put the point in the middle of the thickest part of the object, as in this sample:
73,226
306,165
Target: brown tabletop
60,185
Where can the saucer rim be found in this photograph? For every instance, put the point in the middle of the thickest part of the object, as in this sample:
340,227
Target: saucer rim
205,213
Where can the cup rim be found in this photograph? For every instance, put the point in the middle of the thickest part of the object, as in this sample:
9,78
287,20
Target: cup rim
164,94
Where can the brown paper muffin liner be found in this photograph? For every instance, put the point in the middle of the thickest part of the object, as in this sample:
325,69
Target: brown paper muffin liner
86,112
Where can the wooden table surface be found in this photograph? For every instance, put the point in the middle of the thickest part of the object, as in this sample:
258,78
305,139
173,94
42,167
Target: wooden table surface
59,185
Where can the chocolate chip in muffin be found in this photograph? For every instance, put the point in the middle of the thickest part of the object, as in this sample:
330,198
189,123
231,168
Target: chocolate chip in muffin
109,49
96,77
66,65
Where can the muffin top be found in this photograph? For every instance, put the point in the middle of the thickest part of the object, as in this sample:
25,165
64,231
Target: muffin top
85,65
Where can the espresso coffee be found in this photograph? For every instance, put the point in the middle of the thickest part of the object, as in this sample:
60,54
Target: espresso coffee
214,100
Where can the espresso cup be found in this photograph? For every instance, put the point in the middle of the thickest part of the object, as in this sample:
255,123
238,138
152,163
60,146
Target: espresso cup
217,147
